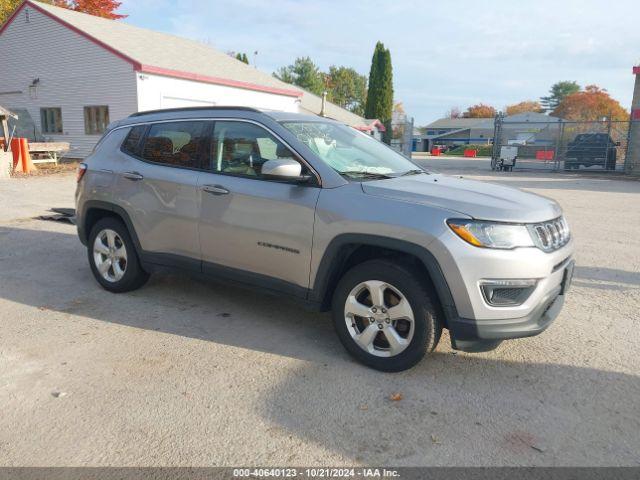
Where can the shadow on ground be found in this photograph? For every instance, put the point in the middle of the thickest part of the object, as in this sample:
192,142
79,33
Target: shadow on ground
455,409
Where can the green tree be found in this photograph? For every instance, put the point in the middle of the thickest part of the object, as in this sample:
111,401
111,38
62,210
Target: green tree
557,93
242,57
346,88
380,96
303,73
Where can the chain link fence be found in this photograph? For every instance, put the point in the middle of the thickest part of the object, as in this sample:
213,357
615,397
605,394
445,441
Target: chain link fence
560,145
402,134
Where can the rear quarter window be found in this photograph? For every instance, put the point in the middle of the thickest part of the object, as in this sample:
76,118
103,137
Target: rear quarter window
131,144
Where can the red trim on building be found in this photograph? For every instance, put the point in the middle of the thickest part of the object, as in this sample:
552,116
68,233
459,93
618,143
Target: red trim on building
636,70
635,114
150,68
196,77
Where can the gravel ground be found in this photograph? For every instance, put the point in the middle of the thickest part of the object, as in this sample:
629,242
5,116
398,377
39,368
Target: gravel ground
185,372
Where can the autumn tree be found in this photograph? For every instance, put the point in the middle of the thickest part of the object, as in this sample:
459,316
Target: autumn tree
454,112
524,107
6,9
593,103
479,111
99,8
557,93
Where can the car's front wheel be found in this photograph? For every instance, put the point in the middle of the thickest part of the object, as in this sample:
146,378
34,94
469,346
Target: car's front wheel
113,258
385,315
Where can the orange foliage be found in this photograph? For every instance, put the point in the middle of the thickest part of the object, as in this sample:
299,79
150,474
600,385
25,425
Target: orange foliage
524,107
480,111
592,103
99,8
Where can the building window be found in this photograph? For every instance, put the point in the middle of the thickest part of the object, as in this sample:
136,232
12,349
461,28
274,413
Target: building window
96,119
51,120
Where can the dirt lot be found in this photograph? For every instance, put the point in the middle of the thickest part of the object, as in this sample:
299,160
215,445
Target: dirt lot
185,372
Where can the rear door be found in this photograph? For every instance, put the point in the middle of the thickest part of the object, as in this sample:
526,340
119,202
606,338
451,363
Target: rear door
250,224
158,186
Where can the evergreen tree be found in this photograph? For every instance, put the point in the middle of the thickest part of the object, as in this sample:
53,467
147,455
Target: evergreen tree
380,96
303,73
242,57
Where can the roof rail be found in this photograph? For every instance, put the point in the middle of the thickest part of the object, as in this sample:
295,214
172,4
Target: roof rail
191,109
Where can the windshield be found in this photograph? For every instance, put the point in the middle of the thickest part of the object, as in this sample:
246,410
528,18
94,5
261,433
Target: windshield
350,152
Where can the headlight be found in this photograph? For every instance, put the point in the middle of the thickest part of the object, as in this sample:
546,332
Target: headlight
491,234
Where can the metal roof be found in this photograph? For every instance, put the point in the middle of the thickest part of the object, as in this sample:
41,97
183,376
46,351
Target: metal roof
459,123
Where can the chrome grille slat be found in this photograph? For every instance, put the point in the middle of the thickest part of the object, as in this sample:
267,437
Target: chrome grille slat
551,235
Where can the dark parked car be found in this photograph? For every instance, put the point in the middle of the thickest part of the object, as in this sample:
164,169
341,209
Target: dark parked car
591,149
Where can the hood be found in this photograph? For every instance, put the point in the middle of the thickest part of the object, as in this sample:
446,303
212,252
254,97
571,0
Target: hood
479,200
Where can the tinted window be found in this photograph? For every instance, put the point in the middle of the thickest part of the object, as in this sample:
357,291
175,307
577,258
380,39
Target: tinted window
131,144
240,148
176,144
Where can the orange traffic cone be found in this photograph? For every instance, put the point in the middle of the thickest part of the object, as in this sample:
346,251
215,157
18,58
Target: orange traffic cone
17,154
27,164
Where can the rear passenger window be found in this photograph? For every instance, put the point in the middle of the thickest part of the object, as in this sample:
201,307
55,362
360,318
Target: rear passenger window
176,144
131,144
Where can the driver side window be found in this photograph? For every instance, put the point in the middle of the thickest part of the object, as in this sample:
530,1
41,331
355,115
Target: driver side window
241,148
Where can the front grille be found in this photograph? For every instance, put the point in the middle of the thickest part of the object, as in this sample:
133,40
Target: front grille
551,235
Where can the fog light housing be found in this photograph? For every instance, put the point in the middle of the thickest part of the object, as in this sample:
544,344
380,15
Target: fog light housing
507,293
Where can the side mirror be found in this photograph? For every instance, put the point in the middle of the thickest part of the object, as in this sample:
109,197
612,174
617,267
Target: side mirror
283,169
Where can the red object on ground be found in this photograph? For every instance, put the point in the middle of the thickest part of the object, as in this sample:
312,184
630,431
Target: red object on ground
470,153
544,155
21,157
435,152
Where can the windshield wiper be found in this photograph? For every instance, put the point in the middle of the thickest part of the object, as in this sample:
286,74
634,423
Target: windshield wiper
364,174
415,171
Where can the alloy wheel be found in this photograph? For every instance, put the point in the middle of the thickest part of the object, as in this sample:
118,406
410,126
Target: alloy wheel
379,318
110,255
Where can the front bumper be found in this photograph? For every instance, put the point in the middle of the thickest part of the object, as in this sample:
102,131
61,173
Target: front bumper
483,335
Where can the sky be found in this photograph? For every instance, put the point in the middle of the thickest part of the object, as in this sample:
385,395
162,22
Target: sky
445,54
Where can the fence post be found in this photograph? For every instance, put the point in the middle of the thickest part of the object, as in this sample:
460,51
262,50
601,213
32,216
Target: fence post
497,138
558,151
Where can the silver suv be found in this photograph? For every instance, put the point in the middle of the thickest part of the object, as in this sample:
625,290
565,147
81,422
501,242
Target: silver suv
309,208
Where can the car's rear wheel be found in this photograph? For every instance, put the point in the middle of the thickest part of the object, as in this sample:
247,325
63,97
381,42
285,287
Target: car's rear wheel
113,258
385,315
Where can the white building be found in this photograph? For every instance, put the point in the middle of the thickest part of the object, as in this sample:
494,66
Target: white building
73,73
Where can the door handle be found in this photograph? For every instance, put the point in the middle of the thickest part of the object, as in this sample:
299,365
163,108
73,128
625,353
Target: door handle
215,189
134,176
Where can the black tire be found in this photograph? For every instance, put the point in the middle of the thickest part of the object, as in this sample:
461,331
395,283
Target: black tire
421,298
134,276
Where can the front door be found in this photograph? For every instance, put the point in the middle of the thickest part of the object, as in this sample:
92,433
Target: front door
158,186
249,223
